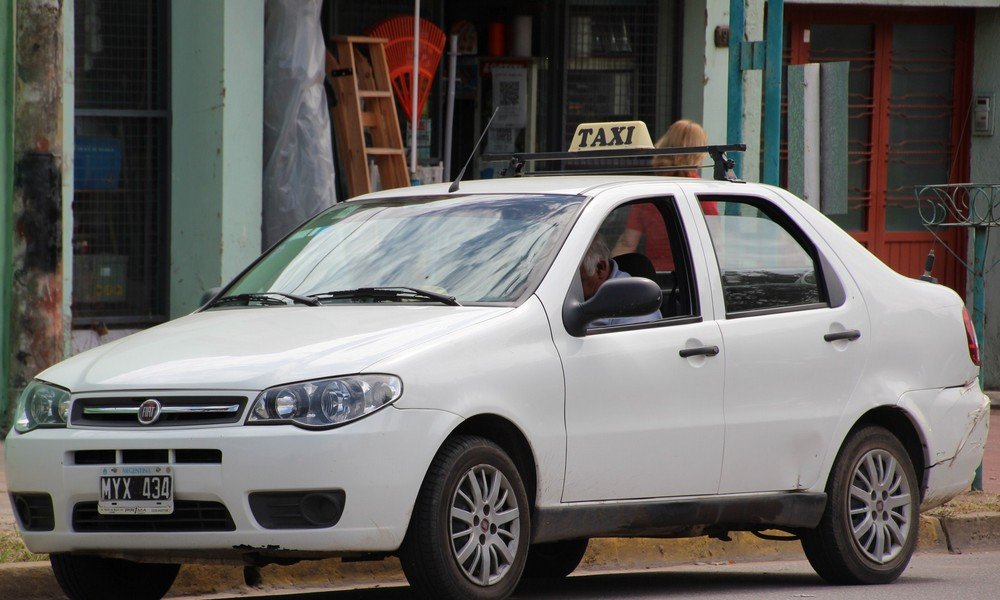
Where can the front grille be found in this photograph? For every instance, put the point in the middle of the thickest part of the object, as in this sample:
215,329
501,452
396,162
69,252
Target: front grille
188,515
144,457
198,456
148,457
175,411
94,457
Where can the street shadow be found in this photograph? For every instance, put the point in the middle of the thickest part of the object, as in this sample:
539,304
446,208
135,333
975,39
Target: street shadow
660,584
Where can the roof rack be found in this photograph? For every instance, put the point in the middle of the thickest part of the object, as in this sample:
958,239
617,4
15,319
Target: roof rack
722,167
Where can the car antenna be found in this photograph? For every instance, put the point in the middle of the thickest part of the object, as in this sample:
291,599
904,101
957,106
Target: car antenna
454,184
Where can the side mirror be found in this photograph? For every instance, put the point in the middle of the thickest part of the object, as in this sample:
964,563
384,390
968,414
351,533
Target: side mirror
624,297
209,294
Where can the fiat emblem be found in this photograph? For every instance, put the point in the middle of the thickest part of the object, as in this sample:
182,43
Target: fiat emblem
149,411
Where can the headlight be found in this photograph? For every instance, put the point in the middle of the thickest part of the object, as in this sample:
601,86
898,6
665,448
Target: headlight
41,405
325,402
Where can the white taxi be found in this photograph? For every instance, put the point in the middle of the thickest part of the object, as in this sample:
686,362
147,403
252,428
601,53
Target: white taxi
421,372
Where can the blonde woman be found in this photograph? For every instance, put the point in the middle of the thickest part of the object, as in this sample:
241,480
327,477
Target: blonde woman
645,224
683,133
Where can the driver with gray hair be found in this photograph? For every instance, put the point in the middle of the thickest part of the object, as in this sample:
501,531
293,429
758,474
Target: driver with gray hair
598,267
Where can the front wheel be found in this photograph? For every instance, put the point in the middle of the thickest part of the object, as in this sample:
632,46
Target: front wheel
84,577
469,533
869,528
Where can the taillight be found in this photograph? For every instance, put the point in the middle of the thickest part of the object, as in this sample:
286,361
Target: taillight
970,335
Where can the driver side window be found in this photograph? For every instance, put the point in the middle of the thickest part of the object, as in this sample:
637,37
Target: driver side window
645,239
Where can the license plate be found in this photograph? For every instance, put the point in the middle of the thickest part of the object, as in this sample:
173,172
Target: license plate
136,490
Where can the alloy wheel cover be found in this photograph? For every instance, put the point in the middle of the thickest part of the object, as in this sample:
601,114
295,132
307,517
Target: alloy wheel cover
879,506
485,525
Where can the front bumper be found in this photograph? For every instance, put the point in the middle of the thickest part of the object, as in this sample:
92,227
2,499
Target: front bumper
379,462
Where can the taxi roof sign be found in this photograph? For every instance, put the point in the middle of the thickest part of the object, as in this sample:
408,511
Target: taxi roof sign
614,140
616,135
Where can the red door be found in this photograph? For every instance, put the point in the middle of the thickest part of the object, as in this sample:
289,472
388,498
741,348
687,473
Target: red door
909,105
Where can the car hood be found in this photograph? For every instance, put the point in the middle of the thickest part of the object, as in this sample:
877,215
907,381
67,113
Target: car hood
255,348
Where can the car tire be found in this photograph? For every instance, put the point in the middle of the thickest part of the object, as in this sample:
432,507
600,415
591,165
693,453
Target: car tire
555,559
869,529
448,552
83,577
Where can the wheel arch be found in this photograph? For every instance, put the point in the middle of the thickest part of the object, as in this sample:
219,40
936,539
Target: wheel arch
511,439
899,424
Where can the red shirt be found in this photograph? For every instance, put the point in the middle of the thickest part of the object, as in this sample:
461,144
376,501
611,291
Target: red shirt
647,220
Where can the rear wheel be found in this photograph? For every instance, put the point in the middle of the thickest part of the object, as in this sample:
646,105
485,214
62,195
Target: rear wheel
84,577
555,559
468,536
869,529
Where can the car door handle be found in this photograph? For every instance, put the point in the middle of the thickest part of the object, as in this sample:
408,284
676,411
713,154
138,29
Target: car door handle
850,335
702,351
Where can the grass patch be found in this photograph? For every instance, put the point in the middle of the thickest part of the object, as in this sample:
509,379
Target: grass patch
967,503
12,549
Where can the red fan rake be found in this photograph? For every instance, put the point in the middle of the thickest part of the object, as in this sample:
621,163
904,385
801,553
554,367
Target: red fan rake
399,56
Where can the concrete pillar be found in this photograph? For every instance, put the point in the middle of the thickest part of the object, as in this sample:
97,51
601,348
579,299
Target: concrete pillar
217,82
35,320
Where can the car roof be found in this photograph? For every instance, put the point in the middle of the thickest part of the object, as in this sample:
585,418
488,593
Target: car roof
559,184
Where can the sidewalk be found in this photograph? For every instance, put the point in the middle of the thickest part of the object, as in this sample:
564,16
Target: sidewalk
936,534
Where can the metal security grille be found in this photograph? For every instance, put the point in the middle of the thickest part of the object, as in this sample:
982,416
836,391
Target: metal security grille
611,64
121,149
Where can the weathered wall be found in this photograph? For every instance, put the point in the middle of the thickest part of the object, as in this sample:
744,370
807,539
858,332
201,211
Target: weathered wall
715,75
37,335
693,60
6,193
985,158
706,76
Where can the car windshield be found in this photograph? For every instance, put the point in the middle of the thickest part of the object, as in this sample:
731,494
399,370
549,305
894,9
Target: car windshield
477,248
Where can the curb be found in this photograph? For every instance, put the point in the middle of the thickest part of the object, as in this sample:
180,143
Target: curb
966,533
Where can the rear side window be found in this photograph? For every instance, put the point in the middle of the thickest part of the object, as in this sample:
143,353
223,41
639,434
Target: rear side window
766,263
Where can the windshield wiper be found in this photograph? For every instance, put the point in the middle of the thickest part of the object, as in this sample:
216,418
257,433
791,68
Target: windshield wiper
265,298
388,293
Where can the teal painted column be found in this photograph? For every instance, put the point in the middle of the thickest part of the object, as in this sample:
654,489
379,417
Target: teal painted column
217,83
7,51
979,310
772,91
734,112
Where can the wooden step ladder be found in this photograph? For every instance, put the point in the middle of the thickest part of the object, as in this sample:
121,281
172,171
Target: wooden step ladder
364,114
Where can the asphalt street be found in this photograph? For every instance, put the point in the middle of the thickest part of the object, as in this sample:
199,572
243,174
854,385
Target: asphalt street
930,575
